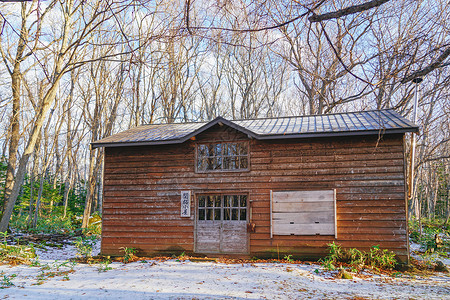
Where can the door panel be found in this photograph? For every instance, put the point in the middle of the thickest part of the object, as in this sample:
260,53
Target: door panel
234,237
208,236
222,224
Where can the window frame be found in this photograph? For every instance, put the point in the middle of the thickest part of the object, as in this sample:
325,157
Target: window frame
223,207
197,145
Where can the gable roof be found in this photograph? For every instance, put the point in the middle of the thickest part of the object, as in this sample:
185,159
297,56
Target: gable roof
339,124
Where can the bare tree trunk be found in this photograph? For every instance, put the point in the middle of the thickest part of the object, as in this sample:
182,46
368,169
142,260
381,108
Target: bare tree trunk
67,188
38,201
90,189
15,126
448,202
30,208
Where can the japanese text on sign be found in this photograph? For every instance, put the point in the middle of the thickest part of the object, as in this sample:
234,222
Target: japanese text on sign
185,203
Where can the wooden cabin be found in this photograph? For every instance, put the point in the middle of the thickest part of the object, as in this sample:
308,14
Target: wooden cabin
262,187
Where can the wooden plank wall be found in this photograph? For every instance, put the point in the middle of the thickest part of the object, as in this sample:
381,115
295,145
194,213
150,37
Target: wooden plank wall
142,188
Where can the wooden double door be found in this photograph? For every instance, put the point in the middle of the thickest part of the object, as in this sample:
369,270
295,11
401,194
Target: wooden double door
221,224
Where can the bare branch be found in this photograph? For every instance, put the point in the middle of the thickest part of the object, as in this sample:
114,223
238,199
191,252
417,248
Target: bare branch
438,63
339,57
188,8
347,11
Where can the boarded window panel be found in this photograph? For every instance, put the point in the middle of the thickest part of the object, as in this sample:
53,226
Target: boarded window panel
304,213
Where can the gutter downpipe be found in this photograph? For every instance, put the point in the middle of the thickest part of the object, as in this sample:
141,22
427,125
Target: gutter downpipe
416,80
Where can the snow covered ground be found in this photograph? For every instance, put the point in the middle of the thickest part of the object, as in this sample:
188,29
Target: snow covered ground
56,278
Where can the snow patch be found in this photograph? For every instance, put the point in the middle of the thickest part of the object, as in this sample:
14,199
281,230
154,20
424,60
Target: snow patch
57,278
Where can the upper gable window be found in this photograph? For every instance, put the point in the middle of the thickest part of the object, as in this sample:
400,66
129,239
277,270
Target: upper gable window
222,156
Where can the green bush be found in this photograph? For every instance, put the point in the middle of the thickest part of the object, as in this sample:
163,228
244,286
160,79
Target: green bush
379,258
430,228
15,254
129,253
51,224
375,258
95,224
85,245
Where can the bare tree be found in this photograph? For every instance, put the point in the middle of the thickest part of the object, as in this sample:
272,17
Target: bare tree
100,114
78,23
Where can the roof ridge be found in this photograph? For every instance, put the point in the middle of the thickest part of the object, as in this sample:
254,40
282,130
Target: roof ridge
311,115
268,118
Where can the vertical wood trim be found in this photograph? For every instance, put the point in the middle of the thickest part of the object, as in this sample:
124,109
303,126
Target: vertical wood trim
335,215
103,195
271,218
405,175
194,195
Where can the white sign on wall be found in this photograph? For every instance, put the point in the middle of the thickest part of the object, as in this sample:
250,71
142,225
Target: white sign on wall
185,203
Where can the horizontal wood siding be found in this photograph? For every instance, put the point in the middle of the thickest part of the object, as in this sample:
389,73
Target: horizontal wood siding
142,187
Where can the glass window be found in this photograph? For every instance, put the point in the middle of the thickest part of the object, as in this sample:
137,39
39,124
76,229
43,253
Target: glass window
226,214
235,201
222,156
209,214
227,201
201,201
210,202
243,202
243,216
222,207
201,214
234,214
217,200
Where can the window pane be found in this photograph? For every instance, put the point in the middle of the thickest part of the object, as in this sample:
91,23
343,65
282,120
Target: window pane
233,149
217,163
243,163
227,201
243,148
217,214
209,163
234,163
226,149
243,202
202,150
235,201
201,201
234,214
209,214
226,214
210,202
217,201
217,149
211,150
243,215
202,164
226,163
201,214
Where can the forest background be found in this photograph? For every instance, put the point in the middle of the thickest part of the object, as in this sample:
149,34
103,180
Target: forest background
73,72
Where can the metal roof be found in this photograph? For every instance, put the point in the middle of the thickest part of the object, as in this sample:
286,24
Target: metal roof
339,124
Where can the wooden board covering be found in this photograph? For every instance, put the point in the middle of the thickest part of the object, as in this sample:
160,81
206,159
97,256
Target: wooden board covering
142,190
303,212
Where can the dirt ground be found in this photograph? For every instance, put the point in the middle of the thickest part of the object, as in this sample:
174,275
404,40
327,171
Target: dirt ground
58,278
